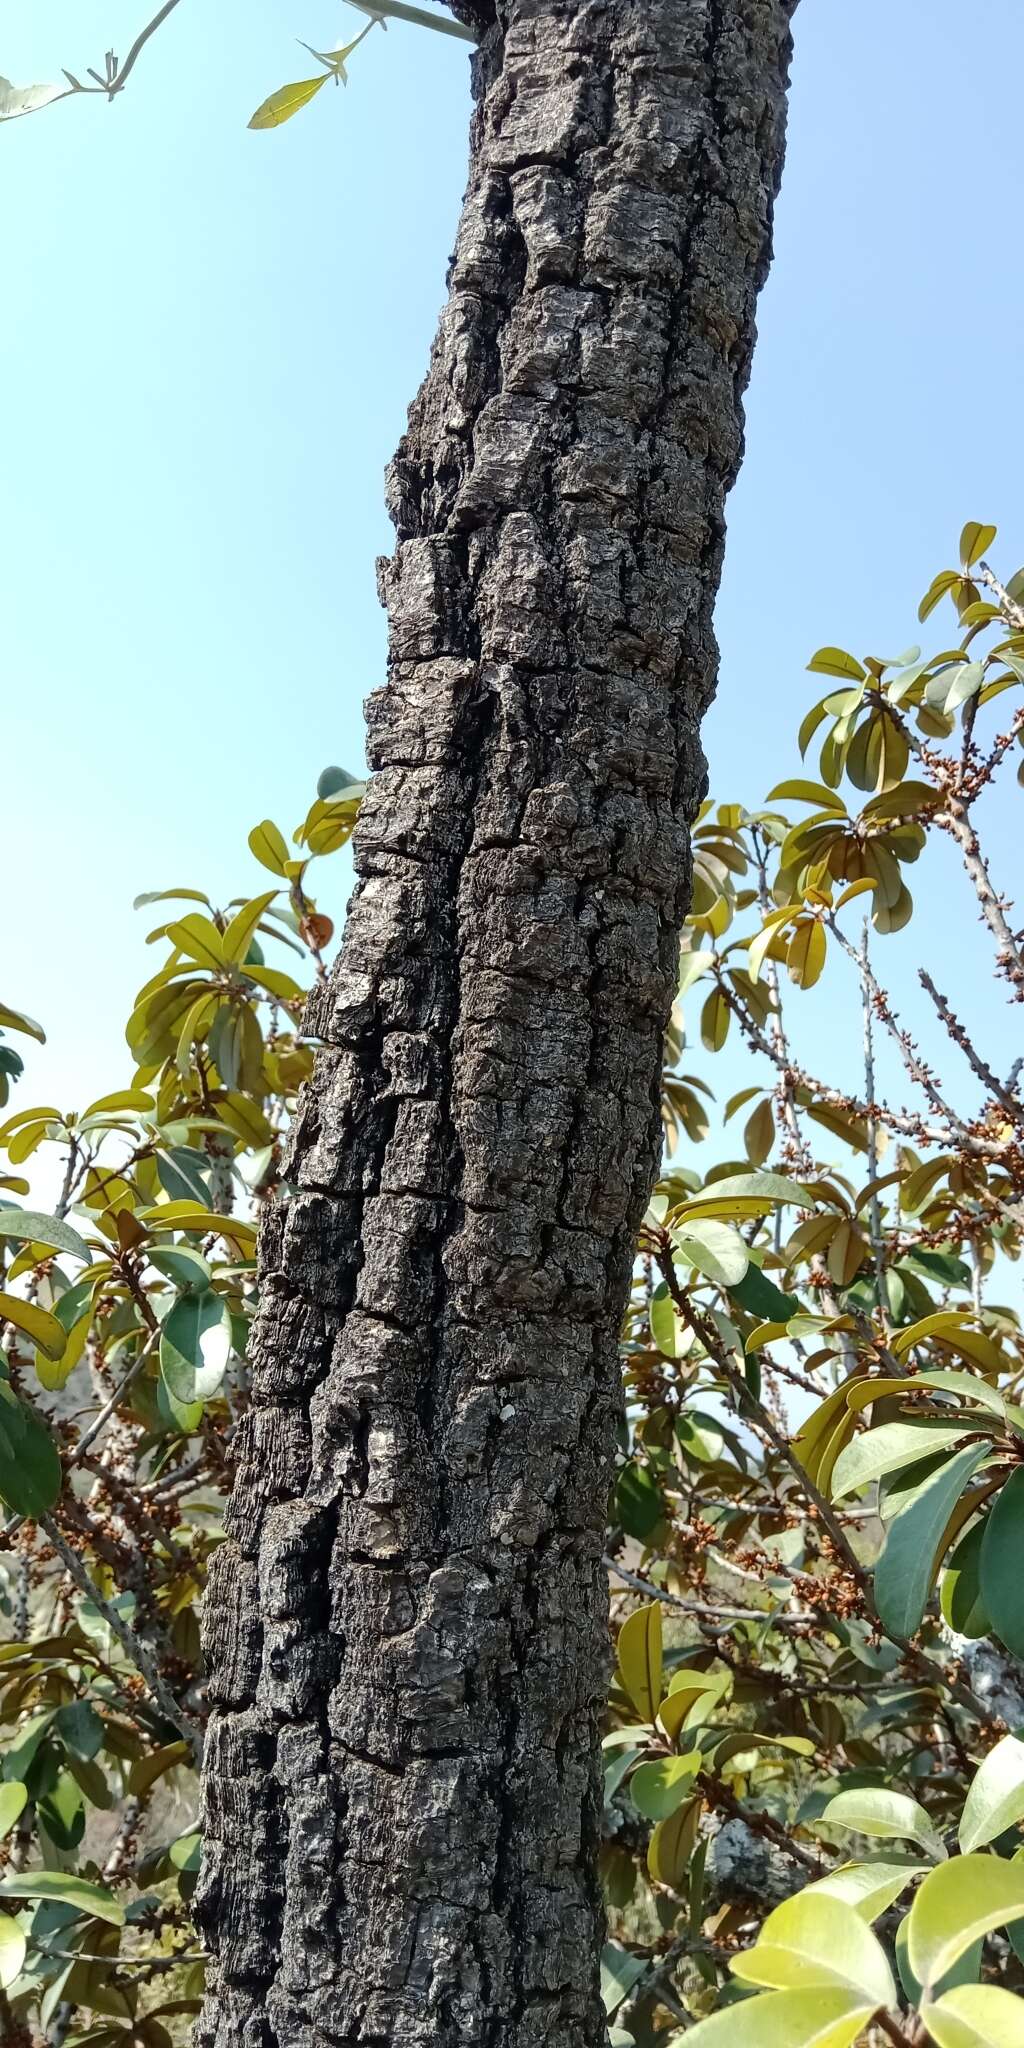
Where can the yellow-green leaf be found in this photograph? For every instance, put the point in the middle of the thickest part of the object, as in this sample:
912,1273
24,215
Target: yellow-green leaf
870,1887
672,1844
815,1939
199,938
660,1787
13,1799
13,1944
826,2016
834,661
975,541
124,1098
239,935
93,1900
53,1370
807,953
15,1020
977,2016
640,1659
995,1801
281,106
268,843
959,1902
37,1323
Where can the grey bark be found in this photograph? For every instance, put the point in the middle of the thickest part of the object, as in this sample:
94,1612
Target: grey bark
407,1632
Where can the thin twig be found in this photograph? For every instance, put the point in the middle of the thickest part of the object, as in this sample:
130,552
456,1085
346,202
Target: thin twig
134,1649
960,1037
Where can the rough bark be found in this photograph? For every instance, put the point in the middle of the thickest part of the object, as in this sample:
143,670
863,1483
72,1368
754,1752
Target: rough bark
407,1632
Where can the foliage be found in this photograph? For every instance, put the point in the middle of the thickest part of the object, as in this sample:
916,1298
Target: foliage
813,1787
821,1496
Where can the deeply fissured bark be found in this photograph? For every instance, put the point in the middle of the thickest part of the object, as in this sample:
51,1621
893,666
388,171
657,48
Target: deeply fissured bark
407,1632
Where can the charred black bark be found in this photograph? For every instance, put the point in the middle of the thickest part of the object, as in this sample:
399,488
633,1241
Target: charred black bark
407,1633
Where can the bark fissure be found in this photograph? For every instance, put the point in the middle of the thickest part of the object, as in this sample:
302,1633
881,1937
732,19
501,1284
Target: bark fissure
407,1630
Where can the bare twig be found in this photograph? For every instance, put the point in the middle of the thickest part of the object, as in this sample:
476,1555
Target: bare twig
135,1650
1010,1102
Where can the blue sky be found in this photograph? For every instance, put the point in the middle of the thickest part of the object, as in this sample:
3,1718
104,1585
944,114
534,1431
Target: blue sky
211,337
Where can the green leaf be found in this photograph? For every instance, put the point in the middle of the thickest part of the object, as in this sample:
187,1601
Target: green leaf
187,1268
692,1698
761,1298
195,1344
815,1939
1002,1580
12,1805
235,1045
280,106
639,1654
977,2016
716,1249
890,1447
875,1810
22,1749
906,1570
668,1330
91,1899
996,1798
186,1851
12,1951
824,2017
33,1227
958,1902
180,1415
35,1322
659,1788
181,1175
619,1972
963,1608
638,1502
80,1729
952,686
743,1194
966,1969
870,1887
30,1473
147,1770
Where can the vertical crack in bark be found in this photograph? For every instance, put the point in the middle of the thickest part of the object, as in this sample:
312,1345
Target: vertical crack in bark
407,1630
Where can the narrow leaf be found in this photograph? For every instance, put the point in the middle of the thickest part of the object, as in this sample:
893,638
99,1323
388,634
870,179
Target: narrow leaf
640,1659
280,107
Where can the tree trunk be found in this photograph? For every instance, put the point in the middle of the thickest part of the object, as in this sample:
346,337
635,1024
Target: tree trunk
407,1634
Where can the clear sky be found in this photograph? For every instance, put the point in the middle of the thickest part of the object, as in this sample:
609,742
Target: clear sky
209,343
